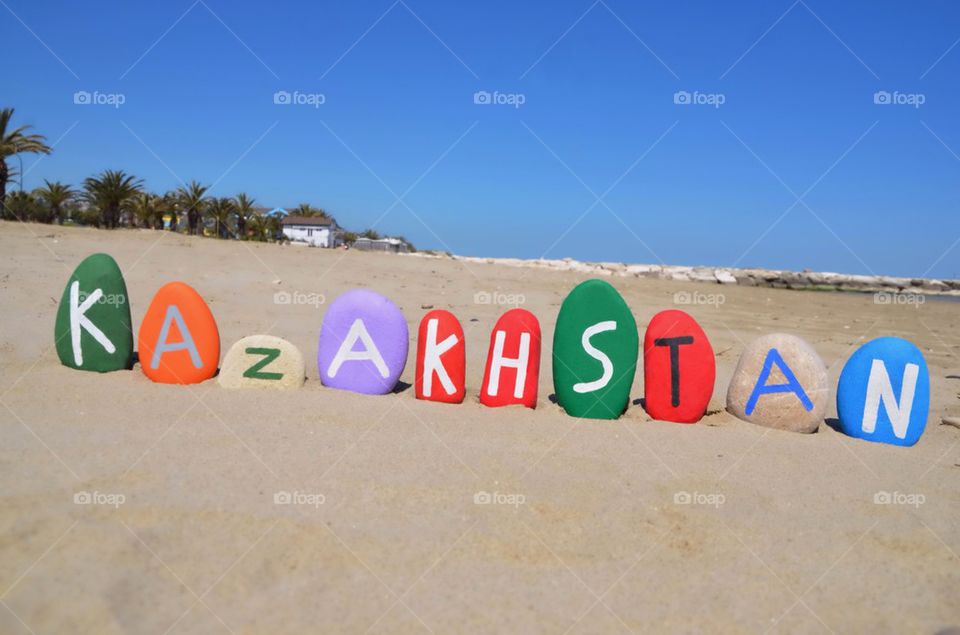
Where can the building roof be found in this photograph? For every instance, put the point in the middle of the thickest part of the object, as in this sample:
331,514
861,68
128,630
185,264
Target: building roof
387,240
310,221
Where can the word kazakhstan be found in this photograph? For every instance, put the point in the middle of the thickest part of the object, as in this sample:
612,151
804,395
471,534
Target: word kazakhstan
883,393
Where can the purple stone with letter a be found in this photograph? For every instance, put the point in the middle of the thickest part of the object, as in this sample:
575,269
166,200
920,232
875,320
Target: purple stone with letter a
363,343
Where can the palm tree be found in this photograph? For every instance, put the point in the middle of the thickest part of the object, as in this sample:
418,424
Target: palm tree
264,227
13,143
110,192
193,200
145,209
273,227
244,210
169,203
258,226
306,209
24,206
56,195
221,209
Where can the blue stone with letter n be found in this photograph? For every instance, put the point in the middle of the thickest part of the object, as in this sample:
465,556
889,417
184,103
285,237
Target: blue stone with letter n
884,392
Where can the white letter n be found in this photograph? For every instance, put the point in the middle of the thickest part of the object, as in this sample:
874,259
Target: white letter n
879,390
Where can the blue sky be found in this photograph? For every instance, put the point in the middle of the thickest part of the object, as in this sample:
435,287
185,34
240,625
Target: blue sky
783,159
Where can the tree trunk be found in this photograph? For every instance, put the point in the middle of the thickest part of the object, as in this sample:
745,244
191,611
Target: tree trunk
110,216
4,175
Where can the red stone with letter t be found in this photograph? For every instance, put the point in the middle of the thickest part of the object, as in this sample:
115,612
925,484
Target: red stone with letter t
679,368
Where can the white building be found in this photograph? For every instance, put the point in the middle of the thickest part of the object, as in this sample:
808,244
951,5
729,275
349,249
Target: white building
317,231
391,245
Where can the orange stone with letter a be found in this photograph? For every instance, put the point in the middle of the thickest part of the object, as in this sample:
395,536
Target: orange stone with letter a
178,342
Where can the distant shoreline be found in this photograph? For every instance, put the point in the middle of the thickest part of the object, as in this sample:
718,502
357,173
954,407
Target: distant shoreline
753,277
900,289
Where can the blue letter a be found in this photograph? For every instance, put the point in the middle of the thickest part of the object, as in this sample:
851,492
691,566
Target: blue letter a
762,388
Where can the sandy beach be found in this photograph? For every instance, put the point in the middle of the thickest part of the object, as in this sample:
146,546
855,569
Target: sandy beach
587,529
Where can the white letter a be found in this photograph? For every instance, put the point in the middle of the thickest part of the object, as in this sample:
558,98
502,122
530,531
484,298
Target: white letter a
369,352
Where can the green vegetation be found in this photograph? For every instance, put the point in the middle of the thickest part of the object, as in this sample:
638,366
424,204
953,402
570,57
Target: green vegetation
112,191
306,209
114,198
12,143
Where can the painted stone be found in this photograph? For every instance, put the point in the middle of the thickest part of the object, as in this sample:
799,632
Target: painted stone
679,368
178,342
93,330
262,361
363,343
441,358
884,392
780,382
595,348
513,361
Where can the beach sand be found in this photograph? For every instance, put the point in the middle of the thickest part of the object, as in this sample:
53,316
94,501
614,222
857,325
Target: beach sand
783,535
